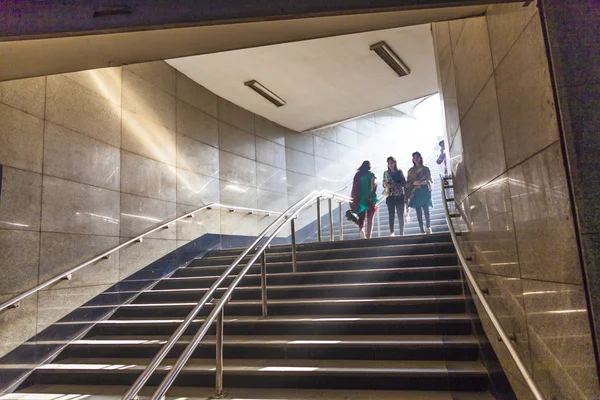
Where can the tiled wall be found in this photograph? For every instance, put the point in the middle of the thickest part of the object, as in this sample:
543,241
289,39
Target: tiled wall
96,157
511,183
575,49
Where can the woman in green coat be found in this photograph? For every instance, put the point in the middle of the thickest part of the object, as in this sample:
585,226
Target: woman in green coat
364,198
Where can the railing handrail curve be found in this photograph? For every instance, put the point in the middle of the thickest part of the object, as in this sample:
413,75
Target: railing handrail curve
290,214
535,391
15,300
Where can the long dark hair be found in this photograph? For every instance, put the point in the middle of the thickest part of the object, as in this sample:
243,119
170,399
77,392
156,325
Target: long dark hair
416,153
390,158
397,175
364,167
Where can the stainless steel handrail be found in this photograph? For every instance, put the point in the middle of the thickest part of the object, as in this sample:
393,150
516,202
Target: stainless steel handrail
14,302
288,216
503,336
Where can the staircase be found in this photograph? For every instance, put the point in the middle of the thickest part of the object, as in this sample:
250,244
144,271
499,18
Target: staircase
361,319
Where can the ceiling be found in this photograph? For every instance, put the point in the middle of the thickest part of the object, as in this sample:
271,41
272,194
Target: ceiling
323,80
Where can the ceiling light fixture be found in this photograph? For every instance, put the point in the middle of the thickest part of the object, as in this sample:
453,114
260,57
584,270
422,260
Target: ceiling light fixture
266,93
387,54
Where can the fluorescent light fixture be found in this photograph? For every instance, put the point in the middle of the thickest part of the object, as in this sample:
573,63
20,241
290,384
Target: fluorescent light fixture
387,54
266,93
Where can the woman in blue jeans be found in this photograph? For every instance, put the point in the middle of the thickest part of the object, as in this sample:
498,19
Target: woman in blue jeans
394,183
418,191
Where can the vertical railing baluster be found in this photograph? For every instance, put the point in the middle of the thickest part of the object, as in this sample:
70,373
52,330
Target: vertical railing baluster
219,356
318,219
263,283
330,220
293,225
341,221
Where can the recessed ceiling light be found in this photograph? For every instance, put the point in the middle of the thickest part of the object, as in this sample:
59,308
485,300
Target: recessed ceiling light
387,54
266,93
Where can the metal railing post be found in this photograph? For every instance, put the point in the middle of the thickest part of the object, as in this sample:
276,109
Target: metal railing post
293,227
219,357
341,222
263,283
378,224
330,220
319,219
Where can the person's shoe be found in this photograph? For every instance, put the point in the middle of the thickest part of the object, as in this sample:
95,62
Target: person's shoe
362,234
428,230
392,234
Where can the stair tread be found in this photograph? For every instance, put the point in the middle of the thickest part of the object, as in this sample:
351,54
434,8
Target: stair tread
334,272
290,340
318,286
303,318
113,392
333,300
279,366
330,261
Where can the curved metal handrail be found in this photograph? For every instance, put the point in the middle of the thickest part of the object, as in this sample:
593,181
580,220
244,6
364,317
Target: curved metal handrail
503,336
14,302
288,216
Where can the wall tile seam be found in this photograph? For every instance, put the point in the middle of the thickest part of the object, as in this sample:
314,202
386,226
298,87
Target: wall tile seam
530,279
26,112
42,192
459,34
537,13
125,69
90,91
468,110
46,121
300,151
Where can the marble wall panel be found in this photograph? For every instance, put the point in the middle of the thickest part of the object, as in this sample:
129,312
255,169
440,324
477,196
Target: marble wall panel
197,157
270,130
196,95
365,126
138,255
196,189
456,28
300,141
270,153
300,184
543,219
236,115
451,105
76,157
18,324
329,133
143,98
158,73
325,148
105,82
85,111
138,214
525,97
236,169
272,201
347,137
236,223
197,124
583,121
271,178
145,177
21,139
206,221
237,141
351,124
27,95
300,162
492,230
70,207
560,340
235,194
443,51
55,304
482,139
21,200
457,165
60,252
147,138
505,24
473,60
19,257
